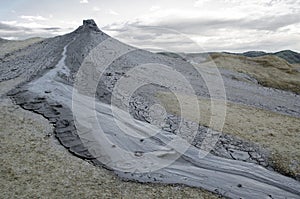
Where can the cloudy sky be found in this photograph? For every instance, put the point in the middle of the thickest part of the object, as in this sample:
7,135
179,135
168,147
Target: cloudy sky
190,25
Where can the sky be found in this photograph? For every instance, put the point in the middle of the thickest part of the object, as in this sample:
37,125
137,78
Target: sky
163,25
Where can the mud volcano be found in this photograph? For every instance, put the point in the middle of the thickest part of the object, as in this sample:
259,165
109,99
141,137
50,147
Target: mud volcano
50,86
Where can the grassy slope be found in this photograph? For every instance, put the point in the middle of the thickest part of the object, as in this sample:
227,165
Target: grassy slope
278,133
270,71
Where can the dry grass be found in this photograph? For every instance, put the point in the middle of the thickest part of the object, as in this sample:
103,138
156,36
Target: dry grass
270,71
296,66
276,132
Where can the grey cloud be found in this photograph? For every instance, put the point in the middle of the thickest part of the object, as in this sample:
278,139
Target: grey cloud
6,27
271,23
52,28
152,38
120,27
288,2
203,26
22,35
264,45
13,31
24,32
162,35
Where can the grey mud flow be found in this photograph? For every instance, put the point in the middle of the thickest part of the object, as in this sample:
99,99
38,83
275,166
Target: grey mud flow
49,93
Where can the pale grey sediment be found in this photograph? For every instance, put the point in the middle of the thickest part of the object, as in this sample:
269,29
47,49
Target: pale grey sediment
51,96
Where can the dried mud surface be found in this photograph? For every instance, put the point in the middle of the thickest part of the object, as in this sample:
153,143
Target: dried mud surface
35,165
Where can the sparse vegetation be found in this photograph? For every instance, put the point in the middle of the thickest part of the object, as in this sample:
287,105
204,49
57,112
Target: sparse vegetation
269,70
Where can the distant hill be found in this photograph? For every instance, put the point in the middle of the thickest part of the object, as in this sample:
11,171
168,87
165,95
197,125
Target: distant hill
2,41
290,56
171,54
253,53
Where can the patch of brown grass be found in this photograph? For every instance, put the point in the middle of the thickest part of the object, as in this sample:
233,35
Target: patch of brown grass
269,70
